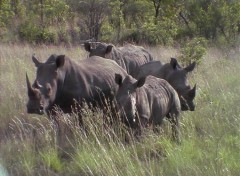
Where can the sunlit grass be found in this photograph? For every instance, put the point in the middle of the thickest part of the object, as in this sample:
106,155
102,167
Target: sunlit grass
209,136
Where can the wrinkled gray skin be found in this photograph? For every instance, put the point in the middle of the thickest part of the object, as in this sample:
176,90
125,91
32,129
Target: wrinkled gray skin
147,101
61,82
129,57
176,77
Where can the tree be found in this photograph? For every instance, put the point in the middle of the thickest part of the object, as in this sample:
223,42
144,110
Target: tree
92,14
116,17
5,12
157,5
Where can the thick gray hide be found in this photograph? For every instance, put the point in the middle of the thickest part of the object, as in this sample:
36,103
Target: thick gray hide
129,57
148,101
61,82
176,76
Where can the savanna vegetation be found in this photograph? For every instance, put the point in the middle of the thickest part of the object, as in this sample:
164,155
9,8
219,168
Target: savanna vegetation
164,22
210,135
205,31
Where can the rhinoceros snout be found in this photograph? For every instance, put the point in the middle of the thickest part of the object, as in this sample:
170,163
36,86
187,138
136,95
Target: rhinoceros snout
39,110
189,107
192,109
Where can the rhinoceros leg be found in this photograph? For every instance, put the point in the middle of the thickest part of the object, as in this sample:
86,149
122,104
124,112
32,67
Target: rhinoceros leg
174,120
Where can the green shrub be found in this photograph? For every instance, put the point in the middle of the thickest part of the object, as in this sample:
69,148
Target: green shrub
45,36
107,33
131,35
33,33
64,36
194,50
161,33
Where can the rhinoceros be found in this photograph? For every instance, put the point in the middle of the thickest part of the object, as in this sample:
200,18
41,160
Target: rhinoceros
147,101
129,57
61,82
176,76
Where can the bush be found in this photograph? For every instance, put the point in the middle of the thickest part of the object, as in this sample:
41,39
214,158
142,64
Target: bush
35,34
162,33
193,50
108,34
64,36
45,36
133,36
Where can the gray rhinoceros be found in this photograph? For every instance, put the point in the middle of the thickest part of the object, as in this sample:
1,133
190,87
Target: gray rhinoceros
147,101
129,57
176,77
61,82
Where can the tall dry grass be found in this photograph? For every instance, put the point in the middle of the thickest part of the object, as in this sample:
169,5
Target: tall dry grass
29,144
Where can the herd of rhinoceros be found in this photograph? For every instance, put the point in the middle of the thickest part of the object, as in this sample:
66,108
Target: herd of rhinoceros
144,90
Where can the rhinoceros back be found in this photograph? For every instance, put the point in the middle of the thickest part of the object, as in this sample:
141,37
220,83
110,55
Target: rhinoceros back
165,95
130,57
91,81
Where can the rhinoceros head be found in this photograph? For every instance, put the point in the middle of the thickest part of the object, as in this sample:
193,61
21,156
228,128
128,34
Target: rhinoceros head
101,49
186,98
43,91
177,77
126,97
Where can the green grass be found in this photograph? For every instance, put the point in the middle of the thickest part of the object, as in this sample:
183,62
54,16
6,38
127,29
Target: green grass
210,135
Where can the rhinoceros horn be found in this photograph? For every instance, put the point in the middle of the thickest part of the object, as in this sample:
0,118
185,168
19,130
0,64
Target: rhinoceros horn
30,89
192,92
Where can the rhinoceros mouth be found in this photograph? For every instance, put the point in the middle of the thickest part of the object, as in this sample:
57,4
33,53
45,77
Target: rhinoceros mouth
35,111
184,104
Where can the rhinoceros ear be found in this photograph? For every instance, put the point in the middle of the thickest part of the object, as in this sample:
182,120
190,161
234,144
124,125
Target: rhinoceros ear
141,82
60,60
36,61
190,67
87,46
109,49
118,79
174,63
192,93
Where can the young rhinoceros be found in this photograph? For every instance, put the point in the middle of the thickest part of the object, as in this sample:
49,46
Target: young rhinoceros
176,76
147,101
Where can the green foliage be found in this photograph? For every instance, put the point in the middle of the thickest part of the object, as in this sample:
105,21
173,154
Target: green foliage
112,27
33,33
108,33
135,13
5,17
5,12
162,33
194,50
63,36
144,21
92,14
214,19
